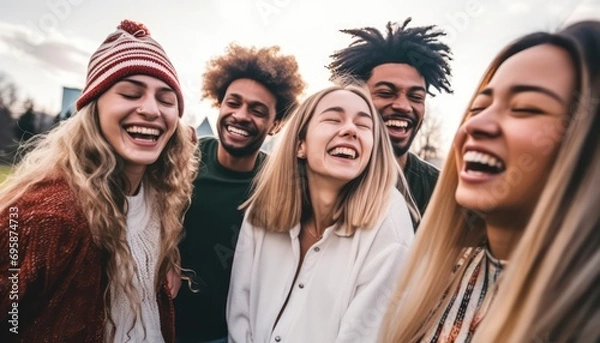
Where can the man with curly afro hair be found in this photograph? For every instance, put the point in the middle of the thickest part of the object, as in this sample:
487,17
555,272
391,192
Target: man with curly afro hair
254,90
400,67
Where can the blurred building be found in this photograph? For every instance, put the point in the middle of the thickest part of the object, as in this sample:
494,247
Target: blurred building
204,129
69,98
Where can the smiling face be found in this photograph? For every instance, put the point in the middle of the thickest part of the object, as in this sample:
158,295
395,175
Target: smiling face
398,92
137,116
339,138
506,147
246,116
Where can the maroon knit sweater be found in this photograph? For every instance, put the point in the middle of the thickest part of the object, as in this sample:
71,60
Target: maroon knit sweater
59,285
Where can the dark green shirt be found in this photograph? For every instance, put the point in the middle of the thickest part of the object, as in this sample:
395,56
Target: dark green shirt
421,178
212,225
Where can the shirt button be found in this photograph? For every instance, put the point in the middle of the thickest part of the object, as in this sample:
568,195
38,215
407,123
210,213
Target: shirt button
317,249
277,339
301,286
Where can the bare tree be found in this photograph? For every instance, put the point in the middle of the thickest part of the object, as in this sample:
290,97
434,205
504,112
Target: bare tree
428,142
8,92
27,123
8,98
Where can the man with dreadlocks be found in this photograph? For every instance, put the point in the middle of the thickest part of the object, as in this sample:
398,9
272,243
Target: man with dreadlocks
254,90
399,69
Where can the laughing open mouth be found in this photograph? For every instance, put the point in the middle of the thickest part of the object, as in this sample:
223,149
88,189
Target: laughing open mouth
145,133
237,131
481,162
399,124
343,152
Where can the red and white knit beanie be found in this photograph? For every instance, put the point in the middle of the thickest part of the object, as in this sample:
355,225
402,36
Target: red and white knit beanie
128,51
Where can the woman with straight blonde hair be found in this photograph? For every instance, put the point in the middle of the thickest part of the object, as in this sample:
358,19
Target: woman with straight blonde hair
325,233
514,142
553,293
93,213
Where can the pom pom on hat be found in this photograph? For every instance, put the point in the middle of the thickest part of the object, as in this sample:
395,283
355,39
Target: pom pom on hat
133,28
128,51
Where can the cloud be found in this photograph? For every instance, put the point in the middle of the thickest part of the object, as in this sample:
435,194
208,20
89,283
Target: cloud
54,52
519,8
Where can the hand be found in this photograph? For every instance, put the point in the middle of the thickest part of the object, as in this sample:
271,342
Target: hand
173,282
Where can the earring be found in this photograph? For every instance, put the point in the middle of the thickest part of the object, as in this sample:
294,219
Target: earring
301,155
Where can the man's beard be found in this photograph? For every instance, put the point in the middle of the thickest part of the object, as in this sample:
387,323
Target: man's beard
247,150
244,151
402,150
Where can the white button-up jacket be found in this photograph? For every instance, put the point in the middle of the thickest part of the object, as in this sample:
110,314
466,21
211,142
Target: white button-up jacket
342,290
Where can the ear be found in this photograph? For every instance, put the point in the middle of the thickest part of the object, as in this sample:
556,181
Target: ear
194,135
276,127
301,154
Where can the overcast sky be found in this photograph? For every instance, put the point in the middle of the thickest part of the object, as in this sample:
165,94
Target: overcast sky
46,44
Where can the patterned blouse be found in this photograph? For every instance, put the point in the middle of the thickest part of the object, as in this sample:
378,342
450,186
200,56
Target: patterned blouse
470,301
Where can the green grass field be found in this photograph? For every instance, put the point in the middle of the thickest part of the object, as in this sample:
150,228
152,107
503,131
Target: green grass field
4,170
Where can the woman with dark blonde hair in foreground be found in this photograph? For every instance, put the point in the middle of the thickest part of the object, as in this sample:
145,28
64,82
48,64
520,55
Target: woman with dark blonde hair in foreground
516,187
326,232
93,213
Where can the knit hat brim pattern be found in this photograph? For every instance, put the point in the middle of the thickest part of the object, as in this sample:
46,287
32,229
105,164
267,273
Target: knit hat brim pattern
128,51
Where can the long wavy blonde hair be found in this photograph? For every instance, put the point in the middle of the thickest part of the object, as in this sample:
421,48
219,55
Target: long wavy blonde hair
281,199
77,152
553,293
448,231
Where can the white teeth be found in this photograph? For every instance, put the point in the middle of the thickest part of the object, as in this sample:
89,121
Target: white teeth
396,123
143,130
475,172
483,158
238,131
343,151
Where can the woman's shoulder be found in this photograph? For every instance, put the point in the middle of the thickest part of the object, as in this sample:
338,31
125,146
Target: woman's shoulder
396,198
397,211
49,194
51,203
396,224
48,217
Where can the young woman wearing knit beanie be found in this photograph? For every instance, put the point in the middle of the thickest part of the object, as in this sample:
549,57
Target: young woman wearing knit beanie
92,214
